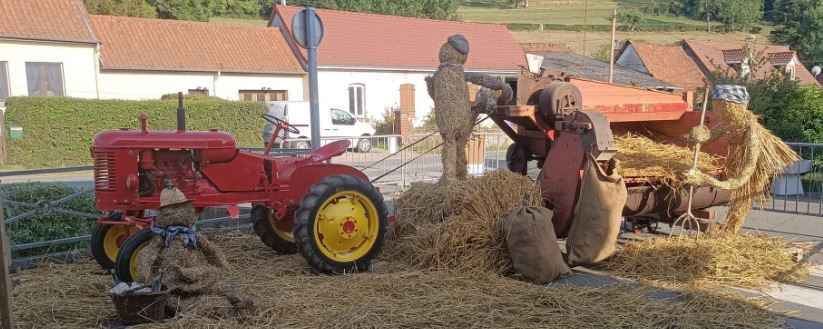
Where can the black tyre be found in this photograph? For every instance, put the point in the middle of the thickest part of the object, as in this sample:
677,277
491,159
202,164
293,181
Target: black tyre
559,99
106,241
516,159
265,225
125,268
340,225
301,144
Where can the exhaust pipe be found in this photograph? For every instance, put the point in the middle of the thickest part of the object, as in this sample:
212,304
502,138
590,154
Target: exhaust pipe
181,113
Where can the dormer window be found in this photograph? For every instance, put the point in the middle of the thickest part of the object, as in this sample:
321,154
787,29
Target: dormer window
790,71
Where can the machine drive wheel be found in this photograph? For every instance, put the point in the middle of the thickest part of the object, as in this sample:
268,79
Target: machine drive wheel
363,144
559,99
125,268
265,225
106,241
301,144
340,225
516,159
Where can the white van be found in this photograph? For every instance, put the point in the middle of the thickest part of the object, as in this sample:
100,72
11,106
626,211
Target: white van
333,123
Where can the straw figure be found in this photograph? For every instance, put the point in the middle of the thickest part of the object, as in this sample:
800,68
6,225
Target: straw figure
454,114
755,154
186,262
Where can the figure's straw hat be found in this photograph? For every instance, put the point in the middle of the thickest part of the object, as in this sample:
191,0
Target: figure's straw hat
171,196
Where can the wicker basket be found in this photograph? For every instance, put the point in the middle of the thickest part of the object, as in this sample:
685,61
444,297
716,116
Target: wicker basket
141,308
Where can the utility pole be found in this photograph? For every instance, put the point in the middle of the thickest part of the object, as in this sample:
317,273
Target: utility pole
6,316
611,46
585,25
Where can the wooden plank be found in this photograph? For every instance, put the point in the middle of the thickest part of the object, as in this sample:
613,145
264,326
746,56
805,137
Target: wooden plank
6,315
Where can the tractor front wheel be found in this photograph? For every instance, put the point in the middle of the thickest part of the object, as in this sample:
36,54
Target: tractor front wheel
340,225
266,227
125,268
106,241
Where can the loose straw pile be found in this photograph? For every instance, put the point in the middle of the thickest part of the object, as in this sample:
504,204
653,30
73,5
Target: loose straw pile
460,225
641,156
289,295
744,260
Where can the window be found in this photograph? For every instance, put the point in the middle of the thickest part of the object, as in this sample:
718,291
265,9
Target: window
4,81
200,91
339,117
264,95
45,79
357,99
789,72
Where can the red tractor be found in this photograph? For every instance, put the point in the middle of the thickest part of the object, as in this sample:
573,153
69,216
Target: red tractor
329,213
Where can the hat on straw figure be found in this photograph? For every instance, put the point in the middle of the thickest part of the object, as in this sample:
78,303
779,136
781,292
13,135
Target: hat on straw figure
172,196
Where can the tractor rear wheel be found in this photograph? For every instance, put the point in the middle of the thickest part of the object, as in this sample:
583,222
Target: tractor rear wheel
340,225
106,241
125,268
265,225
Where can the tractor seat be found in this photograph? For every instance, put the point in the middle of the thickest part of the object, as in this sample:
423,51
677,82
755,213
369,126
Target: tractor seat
330,150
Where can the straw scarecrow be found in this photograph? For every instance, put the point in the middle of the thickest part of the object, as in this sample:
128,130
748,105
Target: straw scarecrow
186,262
755,154
454,114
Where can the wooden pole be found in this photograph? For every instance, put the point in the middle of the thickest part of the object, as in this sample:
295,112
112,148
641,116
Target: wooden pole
6,315
611,46
585,24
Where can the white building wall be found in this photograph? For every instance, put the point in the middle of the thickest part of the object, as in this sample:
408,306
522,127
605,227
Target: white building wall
382,90
78,65
136,85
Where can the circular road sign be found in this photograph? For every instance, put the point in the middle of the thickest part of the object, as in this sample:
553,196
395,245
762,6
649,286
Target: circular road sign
298,28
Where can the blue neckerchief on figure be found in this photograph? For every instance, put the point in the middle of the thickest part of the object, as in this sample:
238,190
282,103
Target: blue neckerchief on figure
189,235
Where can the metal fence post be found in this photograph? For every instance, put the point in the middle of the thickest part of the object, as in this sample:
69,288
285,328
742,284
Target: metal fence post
6,315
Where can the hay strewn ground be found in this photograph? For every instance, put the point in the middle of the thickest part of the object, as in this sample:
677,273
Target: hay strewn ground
744,260
641,156
289,295
459,226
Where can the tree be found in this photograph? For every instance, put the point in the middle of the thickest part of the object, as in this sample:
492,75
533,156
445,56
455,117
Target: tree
132,8
801,27
190,10
734,14
630,19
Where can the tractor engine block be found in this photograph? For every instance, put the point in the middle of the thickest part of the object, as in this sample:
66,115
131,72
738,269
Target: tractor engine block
157,166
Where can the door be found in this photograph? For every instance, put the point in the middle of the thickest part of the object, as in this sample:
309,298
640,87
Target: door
342,124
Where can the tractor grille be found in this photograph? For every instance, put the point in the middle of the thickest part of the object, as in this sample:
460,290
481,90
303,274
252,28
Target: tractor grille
105,176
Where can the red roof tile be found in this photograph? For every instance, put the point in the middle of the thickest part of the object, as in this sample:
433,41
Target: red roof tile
49,20
783,58
709,55
670,63
733,56
372,40
159,44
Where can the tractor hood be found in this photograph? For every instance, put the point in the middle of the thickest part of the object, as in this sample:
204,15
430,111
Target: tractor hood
164,139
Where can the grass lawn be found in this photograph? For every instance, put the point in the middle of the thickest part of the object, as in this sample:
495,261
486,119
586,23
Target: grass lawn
596,40
240,21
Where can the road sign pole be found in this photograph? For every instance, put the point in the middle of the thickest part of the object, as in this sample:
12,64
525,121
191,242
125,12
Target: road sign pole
314,101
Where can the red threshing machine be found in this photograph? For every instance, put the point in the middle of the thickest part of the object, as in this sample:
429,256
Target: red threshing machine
550,123
330,213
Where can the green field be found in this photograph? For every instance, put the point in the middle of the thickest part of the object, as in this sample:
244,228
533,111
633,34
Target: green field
254,21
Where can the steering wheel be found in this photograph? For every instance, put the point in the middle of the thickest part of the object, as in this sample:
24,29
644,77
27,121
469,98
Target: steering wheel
282,123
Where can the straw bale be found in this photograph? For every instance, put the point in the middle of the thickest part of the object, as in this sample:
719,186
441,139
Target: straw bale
744,260
642,157
459,226
290,295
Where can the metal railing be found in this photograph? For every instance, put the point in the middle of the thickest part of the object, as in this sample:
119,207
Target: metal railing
799,189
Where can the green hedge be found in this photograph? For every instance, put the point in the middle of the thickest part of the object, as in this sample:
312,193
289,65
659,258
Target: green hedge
44,227
59,130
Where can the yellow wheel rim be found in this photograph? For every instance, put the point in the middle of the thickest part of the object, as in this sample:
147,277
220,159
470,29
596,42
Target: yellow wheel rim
114,238
133,260
281,233
346,226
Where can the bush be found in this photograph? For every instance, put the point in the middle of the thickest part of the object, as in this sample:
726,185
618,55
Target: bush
44,227
522,26
58,131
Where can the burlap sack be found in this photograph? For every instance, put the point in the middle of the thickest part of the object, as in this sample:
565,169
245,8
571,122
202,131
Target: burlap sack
597,215
533,246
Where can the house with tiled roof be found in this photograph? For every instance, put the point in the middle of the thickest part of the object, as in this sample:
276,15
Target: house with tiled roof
147,58
690,63
369,63
47,48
